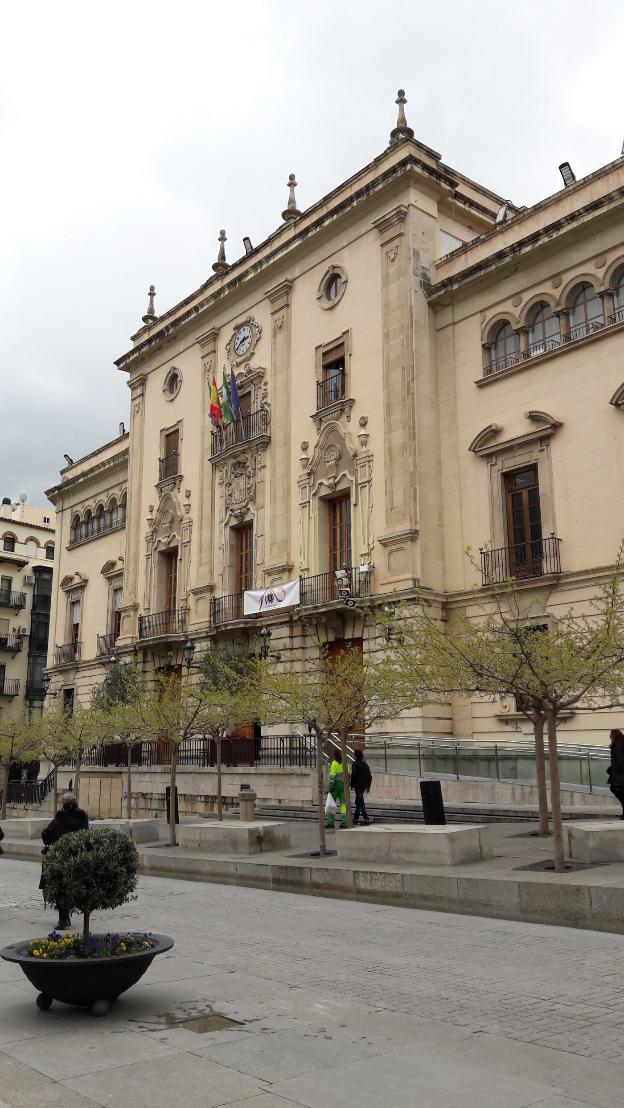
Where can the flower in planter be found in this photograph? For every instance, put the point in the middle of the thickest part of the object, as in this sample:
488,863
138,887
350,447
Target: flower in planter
70,947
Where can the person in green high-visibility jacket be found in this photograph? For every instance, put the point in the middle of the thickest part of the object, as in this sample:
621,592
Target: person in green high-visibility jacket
336,789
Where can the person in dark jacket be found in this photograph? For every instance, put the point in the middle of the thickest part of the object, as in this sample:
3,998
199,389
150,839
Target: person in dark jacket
1,838
615,772
69,818
361,781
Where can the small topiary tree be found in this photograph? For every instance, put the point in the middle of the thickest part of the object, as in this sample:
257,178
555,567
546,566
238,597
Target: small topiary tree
89,871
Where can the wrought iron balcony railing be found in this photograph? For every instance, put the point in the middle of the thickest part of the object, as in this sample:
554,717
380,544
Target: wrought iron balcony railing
249,427
527,559
171,621
331,389
575,334
92,530
12,643
9,686
169,466
227,608
105,645
35,691
66,654
323,588
9,599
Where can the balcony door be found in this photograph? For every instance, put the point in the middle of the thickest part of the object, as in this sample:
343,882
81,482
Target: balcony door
244,557
339,509
170,559
524,522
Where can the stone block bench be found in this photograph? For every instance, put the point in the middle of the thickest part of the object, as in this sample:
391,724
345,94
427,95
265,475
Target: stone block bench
393,844
25,827
595,840
141,830
230,837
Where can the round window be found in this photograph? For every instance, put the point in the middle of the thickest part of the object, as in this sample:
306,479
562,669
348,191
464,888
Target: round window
333,288
173,383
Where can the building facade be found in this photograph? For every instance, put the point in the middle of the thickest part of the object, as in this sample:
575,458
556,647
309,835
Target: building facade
422,368
27,551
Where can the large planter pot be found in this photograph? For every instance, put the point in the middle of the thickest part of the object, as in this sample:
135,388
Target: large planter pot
87,982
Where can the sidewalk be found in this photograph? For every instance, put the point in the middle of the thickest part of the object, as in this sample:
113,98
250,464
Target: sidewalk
501,887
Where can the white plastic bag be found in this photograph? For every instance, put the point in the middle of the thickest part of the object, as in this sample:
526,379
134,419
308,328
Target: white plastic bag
330,806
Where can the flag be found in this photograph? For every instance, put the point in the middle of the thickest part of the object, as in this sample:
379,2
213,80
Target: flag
226,406
234,397
216,415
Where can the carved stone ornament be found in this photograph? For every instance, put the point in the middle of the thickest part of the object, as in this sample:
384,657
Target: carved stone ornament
167,527
393,253
247,333
279,322
240,484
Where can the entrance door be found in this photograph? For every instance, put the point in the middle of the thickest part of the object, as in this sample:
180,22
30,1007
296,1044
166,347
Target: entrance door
524,523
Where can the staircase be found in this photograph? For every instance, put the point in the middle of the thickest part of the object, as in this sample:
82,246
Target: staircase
412,813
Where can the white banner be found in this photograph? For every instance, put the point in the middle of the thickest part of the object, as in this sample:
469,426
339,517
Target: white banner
267,600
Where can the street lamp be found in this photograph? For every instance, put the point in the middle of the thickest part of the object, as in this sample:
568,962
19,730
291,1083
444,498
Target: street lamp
189,652
265,642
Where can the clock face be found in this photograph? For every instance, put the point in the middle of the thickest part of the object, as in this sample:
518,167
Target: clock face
242,340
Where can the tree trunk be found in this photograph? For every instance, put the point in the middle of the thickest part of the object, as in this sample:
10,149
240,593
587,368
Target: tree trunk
172,794
5,789
345,776
540,771
320,785
219,781
129,795
555,795
86,917
77,777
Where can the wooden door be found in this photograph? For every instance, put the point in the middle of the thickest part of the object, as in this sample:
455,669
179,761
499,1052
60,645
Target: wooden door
244,557
524,522
171,581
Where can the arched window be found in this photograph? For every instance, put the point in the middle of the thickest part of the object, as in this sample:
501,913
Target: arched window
504,348
88,524
544,333
113,511
75,533
586,314
100,519
32,548
619,298
122,509
8,543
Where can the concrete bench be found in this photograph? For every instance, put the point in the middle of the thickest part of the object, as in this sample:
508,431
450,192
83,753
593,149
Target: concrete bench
232,837
25,827
393,844
595,840
141,830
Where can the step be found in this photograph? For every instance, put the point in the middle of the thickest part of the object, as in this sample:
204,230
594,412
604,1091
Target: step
467,813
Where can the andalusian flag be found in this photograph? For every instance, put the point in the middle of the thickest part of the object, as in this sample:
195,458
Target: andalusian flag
226,403
216,415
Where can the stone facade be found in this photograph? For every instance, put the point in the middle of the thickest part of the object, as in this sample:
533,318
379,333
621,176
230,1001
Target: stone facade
410,344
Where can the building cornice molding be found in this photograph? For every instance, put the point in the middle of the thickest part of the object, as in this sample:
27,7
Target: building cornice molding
483,446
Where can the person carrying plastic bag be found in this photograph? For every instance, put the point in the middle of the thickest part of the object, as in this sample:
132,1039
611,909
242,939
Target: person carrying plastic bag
336,791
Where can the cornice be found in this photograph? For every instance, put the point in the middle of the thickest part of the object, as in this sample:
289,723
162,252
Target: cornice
71,482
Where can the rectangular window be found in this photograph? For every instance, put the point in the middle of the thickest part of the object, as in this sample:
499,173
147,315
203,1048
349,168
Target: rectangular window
524,522
331,386
245,404
49,553
5,589
117,606
74,611
171,579
2,673
9,543
244,557
172,442
339,510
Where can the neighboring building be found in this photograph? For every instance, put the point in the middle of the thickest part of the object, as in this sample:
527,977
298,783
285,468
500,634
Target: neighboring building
422,368
27,550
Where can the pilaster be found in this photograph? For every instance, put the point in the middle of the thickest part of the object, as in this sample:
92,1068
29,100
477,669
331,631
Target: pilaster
278,540
129,621
205,509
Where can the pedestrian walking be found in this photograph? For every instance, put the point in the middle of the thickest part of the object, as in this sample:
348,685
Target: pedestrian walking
361,781
336,790
1,838
69,818
615,772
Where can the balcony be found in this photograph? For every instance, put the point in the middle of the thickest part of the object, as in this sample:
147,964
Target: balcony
16,600
527,559
160,625
169,466
249,428
227,608
11,643
105,645
88,531
67,654
35,691
323,588
9,686
549,345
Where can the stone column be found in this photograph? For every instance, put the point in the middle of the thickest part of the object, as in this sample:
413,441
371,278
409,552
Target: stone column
399,397
608,305
278,552
134,513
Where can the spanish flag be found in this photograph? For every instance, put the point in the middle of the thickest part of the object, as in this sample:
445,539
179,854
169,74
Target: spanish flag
216,415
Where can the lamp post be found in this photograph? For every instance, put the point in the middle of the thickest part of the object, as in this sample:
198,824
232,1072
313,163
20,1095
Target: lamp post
265,642
189,653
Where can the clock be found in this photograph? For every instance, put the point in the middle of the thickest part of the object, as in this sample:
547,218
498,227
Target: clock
244,340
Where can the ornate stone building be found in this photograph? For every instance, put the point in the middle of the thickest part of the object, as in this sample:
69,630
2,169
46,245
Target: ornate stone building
422,367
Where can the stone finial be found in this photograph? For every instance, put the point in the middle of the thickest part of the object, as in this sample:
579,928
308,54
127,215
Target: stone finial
291,211
401,132
150,315
221,266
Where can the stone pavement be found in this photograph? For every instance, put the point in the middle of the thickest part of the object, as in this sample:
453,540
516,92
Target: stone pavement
338,1004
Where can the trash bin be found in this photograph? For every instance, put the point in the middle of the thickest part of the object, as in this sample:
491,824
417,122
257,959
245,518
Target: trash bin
168,800
433,805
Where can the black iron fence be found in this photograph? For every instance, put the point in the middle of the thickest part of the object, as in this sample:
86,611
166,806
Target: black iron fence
526,559
330,389
252,426
271,750
105,645
11,642
171,621
226,608
169,466
323,588
68,653
9,686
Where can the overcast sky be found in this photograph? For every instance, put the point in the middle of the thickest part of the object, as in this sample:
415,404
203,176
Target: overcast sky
131,132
